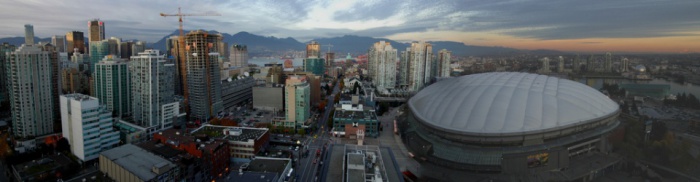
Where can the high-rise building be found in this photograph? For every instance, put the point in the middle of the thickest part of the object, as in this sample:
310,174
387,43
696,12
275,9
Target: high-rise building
297,102
136,48
560,65
73,81
125,49
444,57
382,64
29,34
112,83
74,40
203,75
55,75
172,52
4,48
624,65
415,65
114,46
330,64
96,30
87,126
152,89
608,63
239,56
313,50
545,65
98,51
576,66
314,65
29,78
60,42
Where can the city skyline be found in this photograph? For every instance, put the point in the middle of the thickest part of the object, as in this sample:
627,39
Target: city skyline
646,26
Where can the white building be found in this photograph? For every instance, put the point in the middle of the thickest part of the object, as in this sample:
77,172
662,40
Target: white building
87,126
382,65
30,91
297,103
545,65
415,65
153,91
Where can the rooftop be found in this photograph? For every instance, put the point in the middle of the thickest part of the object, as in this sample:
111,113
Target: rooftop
501,103
360,163
42,165
248,176
175,137
136,160
264,164
354,115
241,133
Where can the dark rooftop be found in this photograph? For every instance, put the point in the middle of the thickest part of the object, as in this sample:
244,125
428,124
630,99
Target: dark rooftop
246,133
276,165
368,115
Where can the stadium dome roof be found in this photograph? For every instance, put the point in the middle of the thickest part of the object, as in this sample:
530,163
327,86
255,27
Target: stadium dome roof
504,103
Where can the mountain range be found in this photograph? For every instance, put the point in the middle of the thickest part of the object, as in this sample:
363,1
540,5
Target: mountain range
269,45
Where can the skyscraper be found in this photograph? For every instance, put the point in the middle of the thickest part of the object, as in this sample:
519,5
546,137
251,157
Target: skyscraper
314,65
87,126
608,63
55,76
624,65
112,84
74,40
152,89
96,30
4,48
560,65
576,66
297,102
415,65
73,81
60,42
330,64
98,51
114,47
125,49
382,64
203,75
29,34
545,65
136,48
443,59
29,77
313,50
239,56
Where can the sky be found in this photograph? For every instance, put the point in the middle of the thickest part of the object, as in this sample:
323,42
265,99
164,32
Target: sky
671,26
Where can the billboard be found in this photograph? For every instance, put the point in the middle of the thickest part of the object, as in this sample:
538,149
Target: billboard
537,160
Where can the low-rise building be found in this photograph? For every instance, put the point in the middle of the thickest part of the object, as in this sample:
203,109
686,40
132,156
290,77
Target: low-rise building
244,142
44,169
269,98
353,163
352,116
214,152
264,169
131,163
235,91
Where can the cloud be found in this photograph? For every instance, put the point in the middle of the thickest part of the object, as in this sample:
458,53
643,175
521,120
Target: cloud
308,19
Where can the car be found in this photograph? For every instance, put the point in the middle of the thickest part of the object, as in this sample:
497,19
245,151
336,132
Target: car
314,161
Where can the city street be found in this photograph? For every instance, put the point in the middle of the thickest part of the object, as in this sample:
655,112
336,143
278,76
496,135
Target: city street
306,167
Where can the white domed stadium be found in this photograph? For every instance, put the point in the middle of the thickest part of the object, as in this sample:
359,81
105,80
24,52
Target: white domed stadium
507,122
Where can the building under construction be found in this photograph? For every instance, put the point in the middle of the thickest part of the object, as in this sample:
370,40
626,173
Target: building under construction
203,83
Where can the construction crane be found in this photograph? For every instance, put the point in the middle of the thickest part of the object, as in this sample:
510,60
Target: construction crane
329,47
181,50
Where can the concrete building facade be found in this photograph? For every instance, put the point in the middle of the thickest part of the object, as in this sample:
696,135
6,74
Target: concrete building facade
382,59
203,79
152,89
131,163
444,57
239,55
415,65
29,34
236,91
87,126
30,91
60,42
